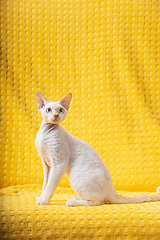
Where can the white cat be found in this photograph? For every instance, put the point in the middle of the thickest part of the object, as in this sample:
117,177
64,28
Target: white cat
62,153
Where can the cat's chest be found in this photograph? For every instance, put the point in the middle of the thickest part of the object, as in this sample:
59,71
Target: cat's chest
51,145
47,140
40,140
47,149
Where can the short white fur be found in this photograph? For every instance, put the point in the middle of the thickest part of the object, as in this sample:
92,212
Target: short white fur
62,153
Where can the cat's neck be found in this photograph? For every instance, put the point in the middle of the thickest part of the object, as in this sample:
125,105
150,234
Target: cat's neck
48,126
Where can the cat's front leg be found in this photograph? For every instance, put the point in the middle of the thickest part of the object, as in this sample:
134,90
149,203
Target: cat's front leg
55,176
46,170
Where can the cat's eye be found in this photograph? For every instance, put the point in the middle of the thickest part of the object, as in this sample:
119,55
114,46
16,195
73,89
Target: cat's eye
48,110
61,110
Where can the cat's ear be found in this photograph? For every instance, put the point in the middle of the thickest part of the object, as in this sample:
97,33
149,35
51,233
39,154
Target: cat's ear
65,102
41,100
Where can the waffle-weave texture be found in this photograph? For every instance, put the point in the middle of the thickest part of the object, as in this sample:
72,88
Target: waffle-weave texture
107,53
22,219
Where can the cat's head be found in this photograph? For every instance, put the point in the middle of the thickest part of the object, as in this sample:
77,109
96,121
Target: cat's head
53,112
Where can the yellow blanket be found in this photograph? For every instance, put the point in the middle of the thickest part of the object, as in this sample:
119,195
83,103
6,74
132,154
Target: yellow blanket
22,219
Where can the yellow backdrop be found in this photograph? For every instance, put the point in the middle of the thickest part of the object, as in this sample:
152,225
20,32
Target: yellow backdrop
107,54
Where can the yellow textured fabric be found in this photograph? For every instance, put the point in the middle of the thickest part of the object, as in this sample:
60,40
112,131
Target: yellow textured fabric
107,53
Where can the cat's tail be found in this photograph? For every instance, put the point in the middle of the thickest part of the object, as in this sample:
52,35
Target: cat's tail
117,198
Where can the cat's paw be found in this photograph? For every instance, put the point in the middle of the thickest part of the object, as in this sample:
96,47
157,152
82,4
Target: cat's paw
44,202
40,201
38,198
70,203
76,198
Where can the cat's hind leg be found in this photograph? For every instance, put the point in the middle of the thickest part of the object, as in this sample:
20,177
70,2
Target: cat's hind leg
82,202
76,197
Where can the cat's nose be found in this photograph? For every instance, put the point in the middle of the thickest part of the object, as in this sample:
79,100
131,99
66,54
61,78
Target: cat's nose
55,116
